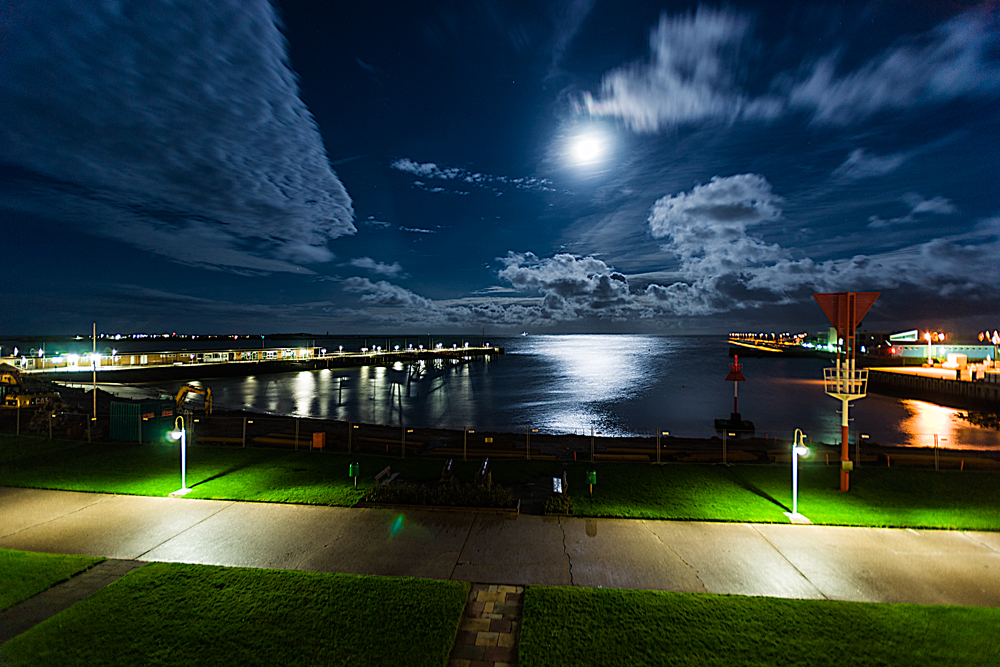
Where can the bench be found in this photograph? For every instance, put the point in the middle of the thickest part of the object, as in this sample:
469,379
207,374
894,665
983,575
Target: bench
485,477
388,474
447,476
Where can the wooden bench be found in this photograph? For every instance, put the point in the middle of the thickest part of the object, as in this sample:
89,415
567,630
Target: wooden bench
388,474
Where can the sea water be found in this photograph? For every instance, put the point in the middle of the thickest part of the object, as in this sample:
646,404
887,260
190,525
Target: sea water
611,384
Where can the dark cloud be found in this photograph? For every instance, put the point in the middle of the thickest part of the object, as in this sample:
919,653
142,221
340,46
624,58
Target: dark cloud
174,127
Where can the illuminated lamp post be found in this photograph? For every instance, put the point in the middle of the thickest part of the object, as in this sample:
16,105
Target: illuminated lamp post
798,449
180,434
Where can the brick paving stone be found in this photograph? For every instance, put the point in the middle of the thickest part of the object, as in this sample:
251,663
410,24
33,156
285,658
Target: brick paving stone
468,652
489,630
486,638
490,596
500,654
499,625
465,637
475,624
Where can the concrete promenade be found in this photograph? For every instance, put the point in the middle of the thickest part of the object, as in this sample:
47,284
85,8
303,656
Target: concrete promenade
816,562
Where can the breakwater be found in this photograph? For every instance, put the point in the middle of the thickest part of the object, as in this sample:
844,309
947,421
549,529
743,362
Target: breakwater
965,394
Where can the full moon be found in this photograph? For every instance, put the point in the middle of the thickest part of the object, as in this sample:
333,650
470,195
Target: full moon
587,148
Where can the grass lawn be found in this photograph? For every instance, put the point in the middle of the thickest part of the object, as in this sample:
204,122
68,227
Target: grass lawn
229,473
170,614
581,626
25,573
899,497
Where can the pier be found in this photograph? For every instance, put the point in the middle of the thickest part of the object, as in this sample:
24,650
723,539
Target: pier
128,367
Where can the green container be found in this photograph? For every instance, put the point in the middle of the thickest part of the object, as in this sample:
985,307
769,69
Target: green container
141,421
353,470
591,477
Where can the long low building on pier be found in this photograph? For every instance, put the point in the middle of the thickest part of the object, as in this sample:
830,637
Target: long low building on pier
143,366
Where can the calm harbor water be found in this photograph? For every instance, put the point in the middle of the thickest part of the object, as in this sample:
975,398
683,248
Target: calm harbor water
614,384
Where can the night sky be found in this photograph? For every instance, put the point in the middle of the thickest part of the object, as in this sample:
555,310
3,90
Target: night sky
584,166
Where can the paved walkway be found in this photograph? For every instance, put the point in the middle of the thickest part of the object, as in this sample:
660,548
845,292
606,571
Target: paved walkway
864,564
45,605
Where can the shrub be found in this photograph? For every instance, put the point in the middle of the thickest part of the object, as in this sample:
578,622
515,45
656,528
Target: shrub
457,496
559,503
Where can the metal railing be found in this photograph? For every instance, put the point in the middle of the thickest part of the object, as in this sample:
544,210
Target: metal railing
843,382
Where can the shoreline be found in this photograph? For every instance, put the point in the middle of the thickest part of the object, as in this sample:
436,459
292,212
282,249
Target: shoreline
444,442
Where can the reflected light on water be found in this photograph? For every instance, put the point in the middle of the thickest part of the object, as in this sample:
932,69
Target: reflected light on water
304,391
587,371
924,420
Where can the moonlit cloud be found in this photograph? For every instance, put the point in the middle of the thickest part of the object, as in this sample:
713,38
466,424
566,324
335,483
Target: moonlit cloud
430,170
860,164
379,268
692,75
957,59
175,128
937,205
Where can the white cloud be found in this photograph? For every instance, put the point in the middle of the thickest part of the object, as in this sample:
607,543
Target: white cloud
951,61
707,227
860,165
691,76
169,128
377,224
938,205
417,230
379,268
430,170
688,79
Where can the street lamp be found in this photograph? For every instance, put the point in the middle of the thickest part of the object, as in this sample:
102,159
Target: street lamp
180,434
798,449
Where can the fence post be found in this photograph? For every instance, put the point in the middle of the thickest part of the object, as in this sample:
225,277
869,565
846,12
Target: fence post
296,434
591,444
527,441
244,430
465,442
936,452
657,444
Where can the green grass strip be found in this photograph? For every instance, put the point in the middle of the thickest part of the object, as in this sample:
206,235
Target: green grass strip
25,574
170,614
224,473
895,497
606,627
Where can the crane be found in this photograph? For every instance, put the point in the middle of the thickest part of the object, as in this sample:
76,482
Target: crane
193,389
